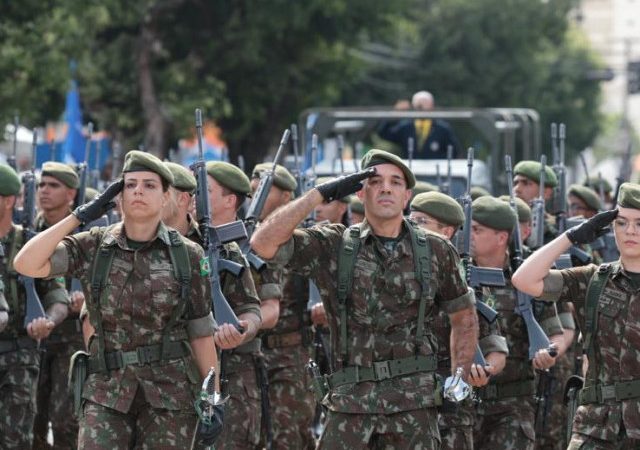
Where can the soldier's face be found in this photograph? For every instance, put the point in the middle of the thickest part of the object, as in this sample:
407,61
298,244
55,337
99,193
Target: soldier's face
486,242
276,198
171,211
142,196
577,207
432,224
626,229
385,195
525,188
6,208
53,195
332,211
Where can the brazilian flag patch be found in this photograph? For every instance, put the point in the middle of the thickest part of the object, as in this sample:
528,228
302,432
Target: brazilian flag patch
60,280
490,300
204,267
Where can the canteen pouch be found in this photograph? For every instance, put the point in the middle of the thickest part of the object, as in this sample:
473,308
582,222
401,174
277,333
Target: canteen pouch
78,371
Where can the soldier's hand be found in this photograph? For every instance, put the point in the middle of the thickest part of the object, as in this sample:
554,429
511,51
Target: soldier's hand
479,375
227,336
4,320
207,434
544,359
101,204
76,300
40,328
344,185
318,315
590,230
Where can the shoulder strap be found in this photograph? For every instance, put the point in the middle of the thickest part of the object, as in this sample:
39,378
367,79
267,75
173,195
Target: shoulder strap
346,264
99,273
12,291
422,267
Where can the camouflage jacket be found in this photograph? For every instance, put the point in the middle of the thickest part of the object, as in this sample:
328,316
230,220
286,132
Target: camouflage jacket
616,343
49,291
135,307
382,309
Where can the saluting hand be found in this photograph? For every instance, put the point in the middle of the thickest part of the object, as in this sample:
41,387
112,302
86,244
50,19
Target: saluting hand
590,230
344,185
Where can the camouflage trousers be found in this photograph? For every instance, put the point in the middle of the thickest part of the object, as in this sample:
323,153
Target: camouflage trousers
55,402
415,430
584,442
143,427
18,385
292,403
242,411
505,424
456,426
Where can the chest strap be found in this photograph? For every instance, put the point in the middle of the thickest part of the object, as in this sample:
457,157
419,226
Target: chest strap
383,370
600,393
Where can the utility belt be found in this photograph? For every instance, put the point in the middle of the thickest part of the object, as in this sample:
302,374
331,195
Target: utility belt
140,356
282,340
500,391
13,345
618,391
383,370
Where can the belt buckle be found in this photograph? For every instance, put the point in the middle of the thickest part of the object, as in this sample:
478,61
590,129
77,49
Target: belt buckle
144,355
381,370
129,358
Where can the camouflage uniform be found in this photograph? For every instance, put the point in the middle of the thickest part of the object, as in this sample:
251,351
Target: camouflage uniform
19,356
242,419
456,421
609,423
141,399
394,411
506,415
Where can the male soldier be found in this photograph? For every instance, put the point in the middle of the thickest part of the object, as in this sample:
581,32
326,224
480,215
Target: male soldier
596,183
524,219
608,307
56,193
357,210
239,348
393,277
583,201
19,354
148,326
286,346
439,213
526,185
506,415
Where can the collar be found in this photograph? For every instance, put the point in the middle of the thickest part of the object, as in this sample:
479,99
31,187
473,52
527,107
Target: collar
116,235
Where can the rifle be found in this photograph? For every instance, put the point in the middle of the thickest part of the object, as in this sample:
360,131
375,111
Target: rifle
340,153
536,239
584,165
12,158
477,277
254,211
449,158
83,168
296,161
439,181
311,178
95,172
213,238
34,307
625,171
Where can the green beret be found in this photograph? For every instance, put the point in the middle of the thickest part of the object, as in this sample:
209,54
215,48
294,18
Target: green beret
283,179
531,170
629,195
61,172
595,182
229,176
477,191
586,194
89,194
356,205
321,180
440,206
493,213
137,161
524,210
183,179
423,186
9,181
374,157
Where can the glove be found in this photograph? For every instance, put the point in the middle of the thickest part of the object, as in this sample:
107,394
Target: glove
590,230
98,206
344,185
207,434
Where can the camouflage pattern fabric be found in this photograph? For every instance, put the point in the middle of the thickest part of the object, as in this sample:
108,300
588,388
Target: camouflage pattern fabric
381,322
508,422
415,430
617,345
456,426
135,307
19,369
583,442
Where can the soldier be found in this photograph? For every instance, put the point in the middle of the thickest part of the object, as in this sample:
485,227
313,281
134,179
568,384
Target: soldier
600,184
441,214
506,415
148,326
607,307
286,345
583,201
526,185
382,392
56,193
357,210
19,354
332,212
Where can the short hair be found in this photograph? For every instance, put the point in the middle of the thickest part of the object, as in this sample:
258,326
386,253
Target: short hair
421,96
240,198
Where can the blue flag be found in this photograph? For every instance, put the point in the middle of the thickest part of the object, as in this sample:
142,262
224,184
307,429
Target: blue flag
74,143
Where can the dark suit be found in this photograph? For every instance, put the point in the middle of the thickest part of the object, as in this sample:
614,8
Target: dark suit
434,147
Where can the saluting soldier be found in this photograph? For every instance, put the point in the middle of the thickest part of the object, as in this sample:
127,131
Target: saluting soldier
393,277
608,307
148,327
439,213
19,353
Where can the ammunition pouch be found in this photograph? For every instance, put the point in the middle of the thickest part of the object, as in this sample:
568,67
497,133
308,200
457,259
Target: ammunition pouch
78,372
13,345
140,356
571,393
524,388
619,391
382,370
